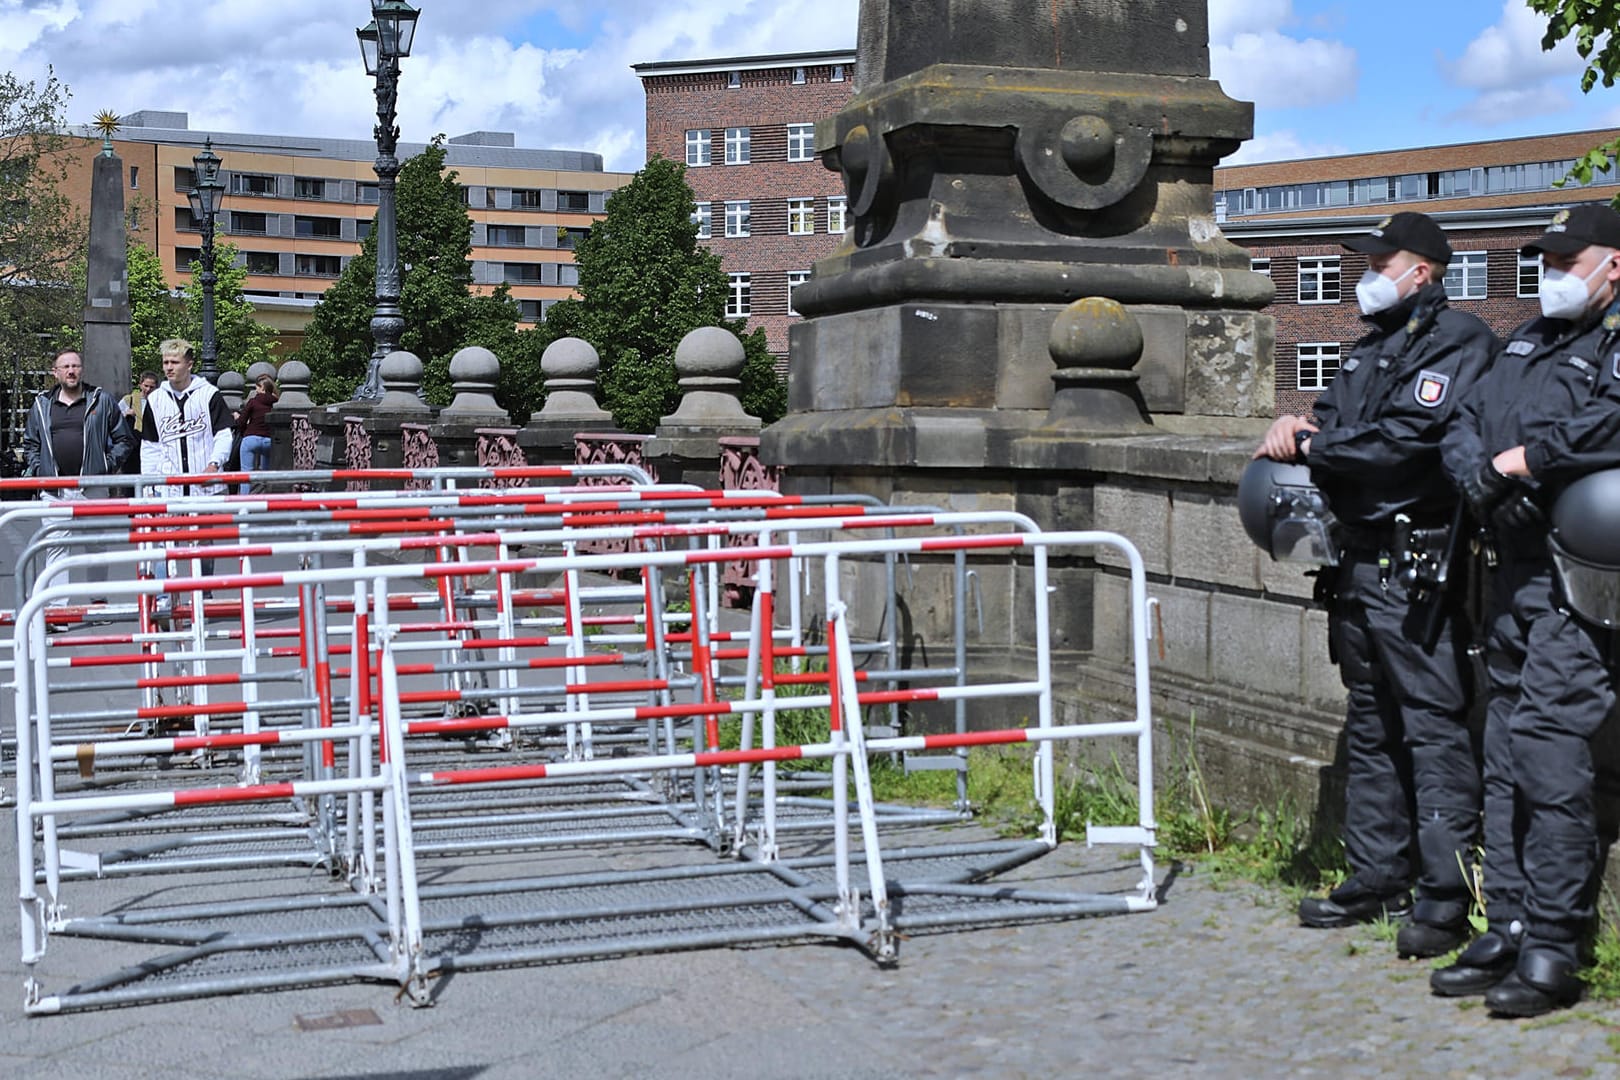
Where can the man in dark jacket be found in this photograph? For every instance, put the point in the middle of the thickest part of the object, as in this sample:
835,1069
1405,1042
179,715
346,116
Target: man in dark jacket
74,429
1547,414
1374,453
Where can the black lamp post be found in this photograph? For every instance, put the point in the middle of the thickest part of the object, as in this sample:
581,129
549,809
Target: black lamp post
205,197
383,44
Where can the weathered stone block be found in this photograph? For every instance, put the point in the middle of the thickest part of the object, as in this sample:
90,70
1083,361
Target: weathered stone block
1182,631
1207,542
1162,371
1256,644
1229,363
1285,578
1111,619
1142,517
1322,684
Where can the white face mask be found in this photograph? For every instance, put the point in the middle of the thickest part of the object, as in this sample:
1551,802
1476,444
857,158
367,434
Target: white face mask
1565,296
1376,293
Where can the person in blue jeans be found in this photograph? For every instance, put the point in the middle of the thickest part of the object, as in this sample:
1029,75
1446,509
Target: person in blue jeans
253,422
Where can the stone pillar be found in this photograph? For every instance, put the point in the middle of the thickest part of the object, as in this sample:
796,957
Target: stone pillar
231,388
1002,160
474,372
343,428
292,437
569,365
106,312
686,445
259,370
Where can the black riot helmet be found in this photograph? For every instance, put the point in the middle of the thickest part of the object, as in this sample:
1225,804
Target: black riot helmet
1585,544
1285,514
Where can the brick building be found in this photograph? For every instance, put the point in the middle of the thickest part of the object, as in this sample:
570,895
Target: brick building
1490,197
745,127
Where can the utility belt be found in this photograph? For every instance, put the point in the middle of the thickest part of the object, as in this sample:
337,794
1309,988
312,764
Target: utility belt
1402,543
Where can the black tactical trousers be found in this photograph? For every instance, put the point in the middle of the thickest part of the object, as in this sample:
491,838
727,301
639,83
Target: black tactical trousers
1410,766
1551,688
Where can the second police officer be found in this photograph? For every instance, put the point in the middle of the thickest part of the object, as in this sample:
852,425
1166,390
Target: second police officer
1374,453
1545,415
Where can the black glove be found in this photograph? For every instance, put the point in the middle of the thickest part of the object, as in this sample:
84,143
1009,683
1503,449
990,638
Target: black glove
1518,512
1484,488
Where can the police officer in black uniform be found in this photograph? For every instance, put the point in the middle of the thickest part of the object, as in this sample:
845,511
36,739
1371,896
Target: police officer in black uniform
1546,414
1374,453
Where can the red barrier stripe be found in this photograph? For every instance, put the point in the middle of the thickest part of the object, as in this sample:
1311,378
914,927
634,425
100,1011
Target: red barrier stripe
625,517
658,712
425,697
890,697
835,713
373,474
118,661
962,543
224,742
524,472
739,757
160,712
738,554
188,536
464,723
976,738
166,681
476,644
472,569
226,581
253,793
489,776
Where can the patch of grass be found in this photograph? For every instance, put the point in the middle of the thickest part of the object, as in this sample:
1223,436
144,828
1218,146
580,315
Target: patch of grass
1603,976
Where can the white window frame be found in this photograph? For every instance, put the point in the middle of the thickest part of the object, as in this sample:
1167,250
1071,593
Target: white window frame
1466,277
795,278
1318,354
739,295
738,218
798,76
837,73
739,145
1529,270
801,139
704,217
1261,265
733,80
699,148
1323,272
801,217
836,208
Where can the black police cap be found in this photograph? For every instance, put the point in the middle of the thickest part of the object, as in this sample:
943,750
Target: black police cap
1406,231
1576,228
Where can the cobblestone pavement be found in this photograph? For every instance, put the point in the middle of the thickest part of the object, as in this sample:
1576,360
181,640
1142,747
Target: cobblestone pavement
1219,981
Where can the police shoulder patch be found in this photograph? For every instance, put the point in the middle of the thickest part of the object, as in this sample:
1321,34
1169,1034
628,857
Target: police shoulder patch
1350,364
1431,388
1519,347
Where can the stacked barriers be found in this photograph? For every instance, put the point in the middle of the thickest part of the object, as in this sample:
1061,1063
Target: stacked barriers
496,743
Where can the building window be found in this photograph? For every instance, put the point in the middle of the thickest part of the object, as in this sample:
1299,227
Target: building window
134,176
1319,280
506,236
185,221
567,274
698,148
252,184
733,80
737,218
801,217
704,216
365,192
739,298
570,239
525,199
184,257
322,228
574,202
801,142
738,145
1318,364
530,311
262,262
795,278
306,187
1529,276
798,76
520,273
1260,266
246,224
838,73
362,229
835,214
319,265
1465,277
184,179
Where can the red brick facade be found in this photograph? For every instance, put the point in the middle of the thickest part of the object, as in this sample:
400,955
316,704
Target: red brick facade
698,96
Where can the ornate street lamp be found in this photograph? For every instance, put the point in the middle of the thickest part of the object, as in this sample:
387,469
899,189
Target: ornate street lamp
383,43
205,197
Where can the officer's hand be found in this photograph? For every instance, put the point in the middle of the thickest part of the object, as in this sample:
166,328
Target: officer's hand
1518,511
1279,444
1484,488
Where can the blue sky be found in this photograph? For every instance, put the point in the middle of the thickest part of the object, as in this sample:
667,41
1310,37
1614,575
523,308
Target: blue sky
1327,76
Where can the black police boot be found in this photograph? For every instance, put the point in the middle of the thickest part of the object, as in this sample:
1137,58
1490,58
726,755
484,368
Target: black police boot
1543,981
1421,941
1482,965
1353,903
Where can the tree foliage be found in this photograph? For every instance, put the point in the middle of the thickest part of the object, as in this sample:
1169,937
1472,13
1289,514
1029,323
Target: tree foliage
442,311
644,284
1592,25
241,340
40,229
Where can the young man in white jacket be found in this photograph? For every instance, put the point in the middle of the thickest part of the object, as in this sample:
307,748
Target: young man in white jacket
185,429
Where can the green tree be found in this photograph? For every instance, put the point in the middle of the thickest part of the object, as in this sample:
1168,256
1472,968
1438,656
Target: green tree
442,312
644,283
40,229
241,340
1592,25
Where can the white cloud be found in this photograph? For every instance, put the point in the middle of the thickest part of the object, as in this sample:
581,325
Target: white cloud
1276,71
1229,18
1507,54
1282,146
1502,106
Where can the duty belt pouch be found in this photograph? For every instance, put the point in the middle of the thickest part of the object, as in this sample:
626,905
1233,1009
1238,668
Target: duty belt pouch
1419,554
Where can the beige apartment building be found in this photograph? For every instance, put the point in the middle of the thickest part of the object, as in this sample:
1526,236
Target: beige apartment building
297,209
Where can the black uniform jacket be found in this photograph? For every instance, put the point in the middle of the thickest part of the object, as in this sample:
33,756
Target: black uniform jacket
1377,453
1555,390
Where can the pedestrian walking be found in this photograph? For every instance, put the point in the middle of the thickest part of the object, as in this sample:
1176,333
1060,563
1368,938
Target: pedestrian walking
1374,453
1545,416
